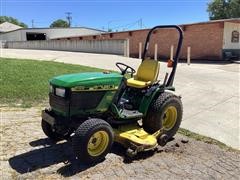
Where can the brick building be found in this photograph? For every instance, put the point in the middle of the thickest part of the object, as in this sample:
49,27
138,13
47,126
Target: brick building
212,40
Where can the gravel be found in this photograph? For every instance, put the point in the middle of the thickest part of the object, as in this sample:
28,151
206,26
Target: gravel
27,154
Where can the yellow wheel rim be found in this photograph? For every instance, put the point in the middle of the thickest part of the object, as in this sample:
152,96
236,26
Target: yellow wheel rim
98,143
169,118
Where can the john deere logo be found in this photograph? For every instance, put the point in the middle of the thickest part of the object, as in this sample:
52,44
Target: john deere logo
95,88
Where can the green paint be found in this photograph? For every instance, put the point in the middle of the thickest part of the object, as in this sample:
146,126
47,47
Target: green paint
60,113
146,101
115,111
106,101
101,107
87,79
92,81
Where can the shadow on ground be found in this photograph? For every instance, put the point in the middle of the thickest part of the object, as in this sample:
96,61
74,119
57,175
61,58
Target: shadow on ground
46,156
51,153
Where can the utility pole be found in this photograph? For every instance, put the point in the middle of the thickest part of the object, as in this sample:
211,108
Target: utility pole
69,18
109,22
140,23
32,23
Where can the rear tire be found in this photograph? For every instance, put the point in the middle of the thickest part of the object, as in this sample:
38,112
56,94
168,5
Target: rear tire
165,111
92,140
48,131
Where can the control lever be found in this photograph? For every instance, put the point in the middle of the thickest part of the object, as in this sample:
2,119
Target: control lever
122,102
165,79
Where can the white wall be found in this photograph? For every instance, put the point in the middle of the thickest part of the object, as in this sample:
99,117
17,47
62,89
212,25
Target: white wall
227,36
119,47
51,33
15,36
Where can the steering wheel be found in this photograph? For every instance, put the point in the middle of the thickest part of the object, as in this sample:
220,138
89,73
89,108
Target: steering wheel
125,69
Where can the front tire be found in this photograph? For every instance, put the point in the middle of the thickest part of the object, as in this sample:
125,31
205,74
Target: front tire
164,112
92,140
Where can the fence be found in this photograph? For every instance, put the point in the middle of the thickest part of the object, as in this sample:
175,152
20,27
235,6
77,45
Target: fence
2,44
119,47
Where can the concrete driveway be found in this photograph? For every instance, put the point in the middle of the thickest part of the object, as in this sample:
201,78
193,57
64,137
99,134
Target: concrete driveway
210,92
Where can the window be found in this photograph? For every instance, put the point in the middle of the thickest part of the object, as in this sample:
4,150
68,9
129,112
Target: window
235,37
31,36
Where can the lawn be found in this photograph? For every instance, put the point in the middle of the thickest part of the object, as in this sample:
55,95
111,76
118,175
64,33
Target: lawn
25,82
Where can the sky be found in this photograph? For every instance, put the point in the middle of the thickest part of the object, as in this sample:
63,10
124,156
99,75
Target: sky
104,14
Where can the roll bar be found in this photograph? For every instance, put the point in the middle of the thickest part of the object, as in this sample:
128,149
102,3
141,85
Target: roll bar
176,57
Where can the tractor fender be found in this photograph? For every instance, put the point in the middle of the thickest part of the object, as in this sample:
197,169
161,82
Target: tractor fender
173,92
146,101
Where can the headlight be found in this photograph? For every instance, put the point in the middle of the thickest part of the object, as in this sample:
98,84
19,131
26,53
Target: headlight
60,92
50,88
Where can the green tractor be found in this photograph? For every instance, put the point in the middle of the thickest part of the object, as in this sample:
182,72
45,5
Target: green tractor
96,109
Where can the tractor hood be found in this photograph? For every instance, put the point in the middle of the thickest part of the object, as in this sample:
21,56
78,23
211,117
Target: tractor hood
87,79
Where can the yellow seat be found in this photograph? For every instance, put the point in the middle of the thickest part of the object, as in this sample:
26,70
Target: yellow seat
147,74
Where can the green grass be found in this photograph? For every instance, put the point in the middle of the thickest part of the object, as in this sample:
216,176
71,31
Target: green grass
205,139
25,82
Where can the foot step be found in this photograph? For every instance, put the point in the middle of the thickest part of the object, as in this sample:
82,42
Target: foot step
131,114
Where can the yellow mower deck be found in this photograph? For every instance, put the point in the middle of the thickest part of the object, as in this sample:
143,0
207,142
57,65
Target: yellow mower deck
135,137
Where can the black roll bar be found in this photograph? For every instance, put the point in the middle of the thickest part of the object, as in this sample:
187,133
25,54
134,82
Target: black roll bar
176,57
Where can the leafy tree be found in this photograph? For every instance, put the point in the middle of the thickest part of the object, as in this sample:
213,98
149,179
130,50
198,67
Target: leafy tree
224,9
12,20
235,8
59,23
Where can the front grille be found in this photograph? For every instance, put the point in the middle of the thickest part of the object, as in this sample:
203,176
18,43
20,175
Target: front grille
58,103
86,100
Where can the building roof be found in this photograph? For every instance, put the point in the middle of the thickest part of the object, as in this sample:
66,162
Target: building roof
51,33
48,28
6,27
233,20
215,21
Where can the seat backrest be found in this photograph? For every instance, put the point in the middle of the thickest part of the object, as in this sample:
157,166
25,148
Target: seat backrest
148,71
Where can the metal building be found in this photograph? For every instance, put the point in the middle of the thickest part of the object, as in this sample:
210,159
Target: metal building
28,34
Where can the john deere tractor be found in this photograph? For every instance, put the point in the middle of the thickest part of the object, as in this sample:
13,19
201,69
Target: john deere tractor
96,109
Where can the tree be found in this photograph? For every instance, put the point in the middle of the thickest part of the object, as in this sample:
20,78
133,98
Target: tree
59,23
235,8
12,20
224,9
